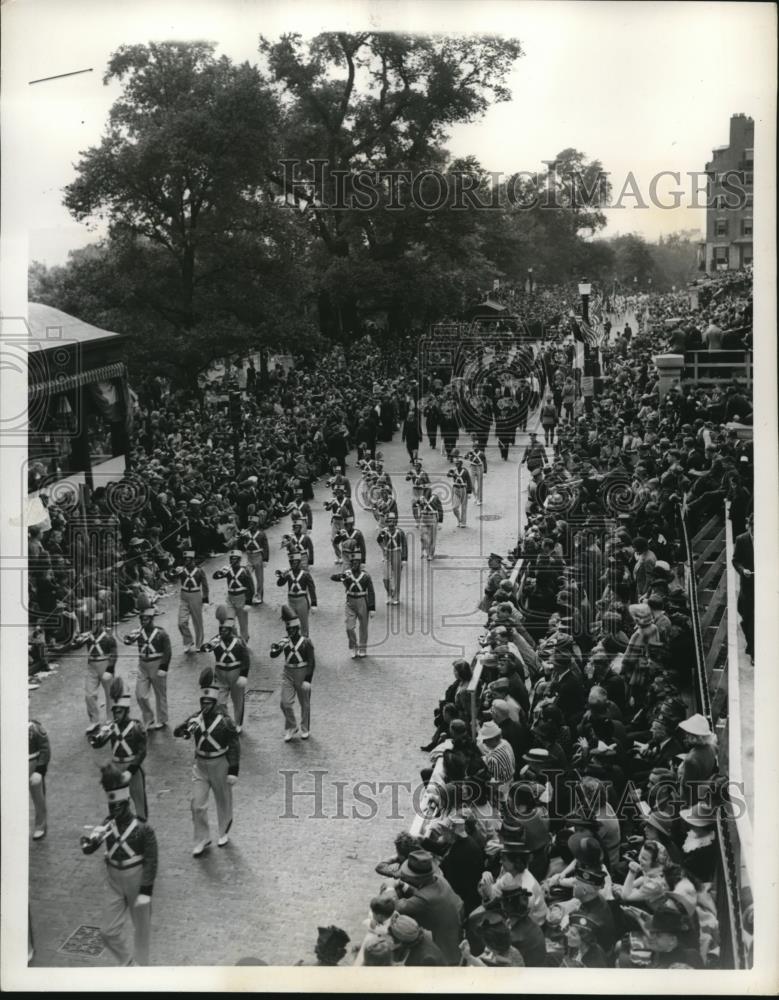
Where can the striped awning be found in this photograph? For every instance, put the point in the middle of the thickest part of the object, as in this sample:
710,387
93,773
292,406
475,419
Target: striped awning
67,383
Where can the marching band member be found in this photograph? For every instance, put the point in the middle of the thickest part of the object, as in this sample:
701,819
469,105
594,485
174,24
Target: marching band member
302,507
418,479
392,540
131,867
193,594
38,757
301,589
300,542
360,603
477,460
217,760
299,666
429,512
101,661
128,746
255,545
384,501
348,538
339,481
342,514
462,487
154,653
231,669
240,589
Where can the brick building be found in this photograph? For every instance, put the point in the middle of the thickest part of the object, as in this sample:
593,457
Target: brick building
729,210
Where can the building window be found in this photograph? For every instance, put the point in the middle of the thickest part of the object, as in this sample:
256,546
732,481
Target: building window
749,177
720,258
746,227
749,158
721,227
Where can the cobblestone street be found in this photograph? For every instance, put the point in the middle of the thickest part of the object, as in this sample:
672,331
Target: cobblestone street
293,862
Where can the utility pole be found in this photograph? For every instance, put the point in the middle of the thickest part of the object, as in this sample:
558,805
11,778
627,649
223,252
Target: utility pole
589,369
235,420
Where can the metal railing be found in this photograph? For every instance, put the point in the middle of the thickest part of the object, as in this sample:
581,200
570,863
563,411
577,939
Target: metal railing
728,887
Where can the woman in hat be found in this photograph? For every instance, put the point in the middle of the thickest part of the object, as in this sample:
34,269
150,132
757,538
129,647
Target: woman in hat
700,851
700,762
582,948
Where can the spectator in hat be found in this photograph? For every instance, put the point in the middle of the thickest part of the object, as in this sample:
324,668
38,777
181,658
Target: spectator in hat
413,945
430,900
700,761
463,864
646,878
498,950
588,890
700,853
582,948
497,757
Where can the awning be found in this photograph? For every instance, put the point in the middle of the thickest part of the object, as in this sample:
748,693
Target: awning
53,386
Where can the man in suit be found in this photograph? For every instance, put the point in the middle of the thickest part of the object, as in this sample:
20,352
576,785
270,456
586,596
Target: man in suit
744,564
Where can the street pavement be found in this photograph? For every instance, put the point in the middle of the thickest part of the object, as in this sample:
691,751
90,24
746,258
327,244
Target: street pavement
295,861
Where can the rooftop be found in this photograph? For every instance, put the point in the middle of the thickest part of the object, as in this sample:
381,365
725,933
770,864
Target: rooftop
45,321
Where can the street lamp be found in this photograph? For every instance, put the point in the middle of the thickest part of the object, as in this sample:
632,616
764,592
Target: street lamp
530,283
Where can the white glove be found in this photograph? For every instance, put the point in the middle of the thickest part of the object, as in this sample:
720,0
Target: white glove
306,685
126,777
231,779
242,682
35,779
162,673
142,900
312,609
107,677
372,614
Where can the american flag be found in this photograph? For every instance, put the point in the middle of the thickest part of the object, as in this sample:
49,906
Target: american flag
584,333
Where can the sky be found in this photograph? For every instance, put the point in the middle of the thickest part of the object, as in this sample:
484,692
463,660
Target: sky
643,87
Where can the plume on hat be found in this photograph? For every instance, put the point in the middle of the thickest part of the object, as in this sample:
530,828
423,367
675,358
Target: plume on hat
117,690
142,602
111,777
207,677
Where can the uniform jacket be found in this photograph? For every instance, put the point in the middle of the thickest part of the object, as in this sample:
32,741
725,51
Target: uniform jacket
299,584
224,735
362,581
38,744
141,841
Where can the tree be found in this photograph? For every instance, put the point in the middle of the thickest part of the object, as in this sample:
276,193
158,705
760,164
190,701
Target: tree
196,242
375,102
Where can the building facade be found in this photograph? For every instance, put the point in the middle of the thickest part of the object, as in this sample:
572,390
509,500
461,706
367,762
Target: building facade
729,212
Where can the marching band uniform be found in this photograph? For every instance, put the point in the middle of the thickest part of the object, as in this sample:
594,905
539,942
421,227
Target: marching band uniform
131,868
430,513
339,481
477,460
193,593
128,747
154,654
299,666
240,589
418,479
360,603
101,661
38,757
217,760
300,542
255,545
303,508
462,487
342,516
301,589
231,670
392,540
384,504
355,538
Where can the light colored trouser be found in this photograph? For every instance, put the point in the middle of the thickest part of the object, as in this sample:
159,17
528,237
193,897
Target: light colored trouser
122,888
191,606
238,603
477,476
148,679
333,532
210,774
38,796
257,567
291,685
227,682
429,533
392,569
357,611
92,683
299,604
460,503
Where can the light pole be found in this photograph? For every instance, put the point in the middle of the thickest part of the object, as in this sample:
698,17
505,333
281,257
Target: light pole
587,375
